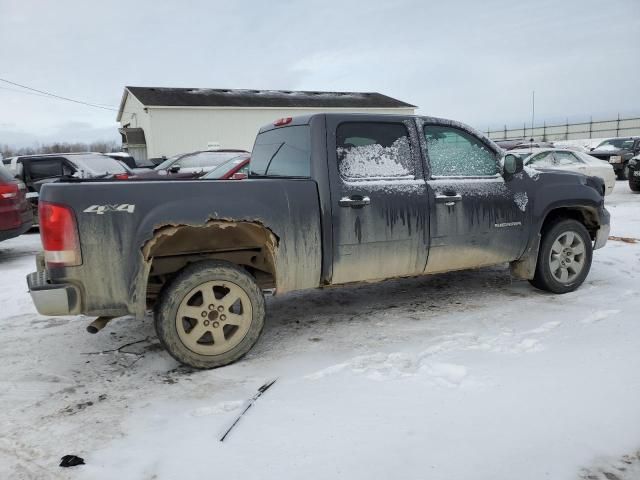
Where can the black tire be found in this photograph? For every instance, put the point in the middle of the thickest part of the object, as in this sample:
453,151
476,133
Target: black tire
634,186
623,173
544,279
175,293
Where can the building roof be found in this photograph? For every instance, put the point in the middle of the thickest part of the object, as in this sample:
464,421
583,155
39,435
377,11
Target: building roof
209,97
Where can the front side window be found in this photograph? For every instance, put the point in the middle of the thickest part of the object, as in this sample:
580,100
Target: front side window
368,150
455,153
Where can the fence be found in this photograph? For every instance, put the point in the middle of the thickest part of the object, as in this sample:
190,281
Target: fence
620,127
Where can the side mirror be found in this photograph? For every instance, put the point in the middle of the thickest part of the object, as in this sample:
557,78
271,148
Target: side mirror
592,149
174,169
238,176
512,164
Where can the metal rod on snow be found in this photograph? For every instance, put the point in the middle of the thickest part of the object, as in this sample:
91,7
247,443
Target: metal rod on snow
250,403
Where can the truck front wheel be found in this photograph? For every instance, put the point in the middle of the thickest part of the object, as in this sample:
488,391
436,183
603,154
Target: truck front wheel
564,258
210,314
634,185
623,173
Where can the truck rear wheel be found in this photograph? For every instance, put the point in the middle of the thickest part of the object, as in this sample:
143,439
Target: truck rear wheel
564,258
210,314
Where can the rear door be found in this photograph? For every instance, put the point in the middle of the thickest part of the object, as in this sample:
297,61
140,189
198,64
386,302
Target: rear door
378,197
477,218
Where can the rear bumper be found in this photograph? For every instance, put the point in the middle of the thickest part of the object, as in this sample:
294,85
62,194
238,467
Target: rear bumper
15,232
50,298
602,235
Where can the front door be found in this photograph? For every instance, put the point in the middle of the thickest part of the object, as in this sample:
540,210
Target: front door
378,196
477,217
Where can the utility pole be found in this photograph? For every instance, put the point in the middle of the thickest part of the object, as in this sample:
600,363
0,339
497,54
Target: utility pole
533,110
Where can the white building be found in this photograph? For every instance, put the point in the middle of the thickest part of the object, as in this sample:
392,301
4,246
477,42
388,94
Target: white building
158,122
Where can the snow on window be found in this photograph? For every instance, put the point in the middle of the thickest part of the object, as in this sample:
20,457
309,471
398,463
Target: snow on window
376,161
374,150
453,152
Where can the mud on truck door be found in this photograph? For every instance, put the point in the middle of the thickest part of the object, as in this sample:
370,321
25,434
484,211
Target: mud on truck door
379,201
478,217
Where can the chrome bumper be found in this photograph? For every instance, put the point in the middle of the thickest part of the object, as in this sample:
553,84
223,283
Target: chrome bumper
50,298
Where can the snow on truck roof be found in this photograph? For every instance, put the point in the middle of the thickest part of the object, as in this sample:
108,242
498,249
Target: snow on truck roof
213,97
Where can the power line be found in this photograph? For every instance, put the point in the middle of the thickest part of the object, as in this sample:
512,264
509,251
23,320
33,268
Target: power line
49,94
9,89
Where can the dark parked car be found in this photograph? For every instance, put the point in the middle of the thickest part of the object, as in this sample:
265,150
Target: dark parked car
515,144
38,170
618,152
16,215
330,199
129,161
634,173
193,164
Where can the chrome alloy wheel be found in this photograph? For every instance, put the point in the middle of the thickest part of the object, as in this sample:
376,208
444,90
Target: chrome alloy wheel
567,257
214,317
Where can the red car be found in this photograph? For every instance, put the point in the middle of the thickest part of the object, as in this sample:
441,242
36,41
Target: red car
16,215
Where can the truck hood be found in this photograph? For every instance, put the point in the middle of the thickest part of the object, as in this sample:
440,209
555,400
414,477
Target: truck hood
567,177
607,152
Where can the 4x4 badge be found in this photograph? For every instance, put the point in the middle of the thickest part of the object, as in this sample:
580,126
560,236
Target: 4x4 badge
102,209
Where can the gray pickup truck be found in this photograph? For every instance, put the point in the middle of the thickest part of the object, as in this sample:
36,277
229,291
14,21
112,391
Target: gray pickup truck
331,199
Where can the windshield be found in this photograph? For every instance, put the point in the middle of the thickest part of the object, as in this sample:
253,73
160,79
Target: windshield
97,164
616,143
221,170
167,163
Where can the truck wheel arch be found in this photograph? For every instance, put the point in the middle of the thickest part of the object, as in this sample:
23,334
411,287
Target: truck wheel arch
524,268
248,244
586,215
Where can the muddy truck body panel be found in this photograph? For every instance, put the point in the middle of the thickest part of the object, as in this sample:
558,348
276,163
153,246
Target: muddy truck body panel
122,225
330,199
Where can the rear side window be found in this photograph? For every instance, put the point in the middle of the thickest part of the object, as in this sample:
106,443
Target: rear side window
456,153
368,150
282,152
41,169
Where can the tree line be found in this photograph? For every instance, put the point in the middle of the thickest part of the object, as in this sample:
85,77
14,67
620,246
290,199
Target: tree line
61,147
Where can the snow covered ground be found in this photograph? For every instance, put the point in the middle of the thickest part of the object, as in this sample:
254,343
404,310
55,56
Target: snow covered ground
468,375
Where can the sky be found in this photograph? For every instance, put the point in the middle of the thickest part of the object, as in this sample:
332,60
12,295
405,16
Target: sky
473,61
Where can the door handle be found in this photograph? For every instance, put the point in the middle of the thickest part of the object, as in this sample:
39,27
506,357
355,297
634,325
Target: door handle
354,201
448,200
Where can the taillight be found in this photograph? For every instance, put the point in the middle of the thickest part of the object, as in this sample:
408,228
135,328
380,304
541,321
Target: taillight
9,190
59,233
282,121
121,176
